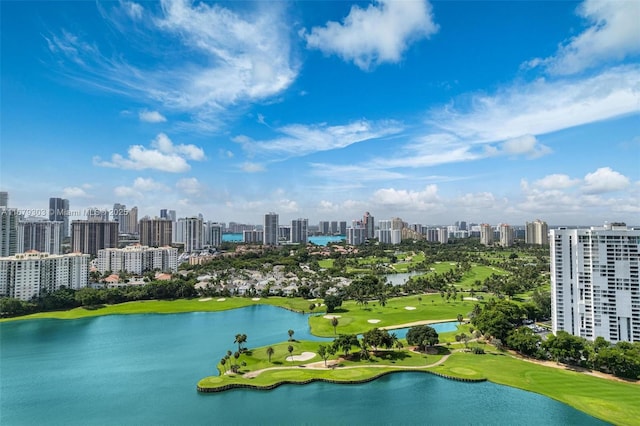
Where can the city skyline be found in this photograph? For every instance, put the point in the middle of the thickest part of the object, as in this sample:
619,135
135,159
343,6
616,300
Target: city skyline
496,112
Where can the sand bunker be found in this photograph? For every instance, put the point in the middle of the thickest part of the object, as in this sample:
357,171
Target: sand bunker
470,298
331,316
206,299
410,308
222,299
373,321
255,299
304,356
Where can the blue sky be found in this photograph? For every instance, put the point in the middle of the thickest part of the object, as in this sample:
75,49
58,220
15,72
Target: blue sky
498,112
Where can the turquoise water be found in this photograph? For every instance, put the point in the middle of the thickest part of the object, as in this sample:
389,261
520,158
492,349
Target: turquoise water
319,241
143,370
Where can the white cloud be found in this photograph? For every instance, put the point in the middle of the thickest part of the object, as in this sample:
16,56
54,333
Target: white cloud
378,34
556,181
224,60
604,180
250,167
542,107
134,10
151,116
163,156
190,186
74,192
612,35
525,145
300,139
148,184
127,192
419,200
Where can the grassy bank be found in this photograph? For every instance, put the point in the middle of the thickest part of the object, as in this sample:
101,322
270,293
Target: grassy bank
609,400
172,307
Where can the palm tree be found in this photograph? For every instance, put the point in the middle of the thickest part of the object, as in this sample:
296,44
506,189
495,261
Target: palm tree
270,352
290,349
290,335
223,361
236,356
322,351
394,339
334,323
240,339
460,318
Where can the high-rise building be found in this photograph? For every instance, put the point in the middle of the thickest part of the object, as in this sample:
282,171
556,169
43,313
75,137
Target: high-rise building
383,233
213,234
59,212
397,225
443,235
89,236
252,236
342,227
132,218
26,276
8,231
507,235
369,224
155,232
40,235
595,290
325,227
4,199
300,231
121,215
486,234
137,259
97,214
356,235
537,232
270,237
190,233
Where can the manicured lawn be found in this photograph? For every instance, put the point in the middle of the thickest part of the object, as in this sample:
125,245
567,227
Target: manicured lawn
326,263
257,359
478,272
173,306
354,318
609,400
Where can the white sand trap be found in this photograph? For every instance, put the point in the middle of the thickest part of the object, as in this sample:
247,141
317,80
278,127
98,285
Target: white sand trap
312,300
222,299
304,356
206,299
470,298
373,321
255,299
331,316
410,308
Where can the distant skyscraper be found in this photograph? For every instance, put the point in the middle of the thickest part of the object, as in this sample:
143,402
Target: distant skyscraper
190,233
356,235
96,214
4,199
369,224
252,236
132,218
507,234
342,227
213,234
486,234
537,232
156,232
396,230
325,228
89,236
443,235
40,235
384,231
8,231
299,231
463,225
270,229
595,289
59,212
121,215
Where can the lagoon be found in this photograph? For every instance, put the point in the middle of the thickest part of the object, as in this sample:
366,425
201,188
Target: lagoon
143,369
318,240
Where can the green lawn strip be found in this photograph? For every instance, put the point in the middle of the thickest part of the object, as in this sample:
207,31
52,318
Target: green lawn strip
173,306
258,359
478,273
325,263
354,319
609,400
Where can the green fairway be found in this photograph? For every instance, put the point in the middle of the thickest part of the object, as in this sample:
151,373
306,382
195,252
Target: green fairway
613,401
478,273
174,306
355,319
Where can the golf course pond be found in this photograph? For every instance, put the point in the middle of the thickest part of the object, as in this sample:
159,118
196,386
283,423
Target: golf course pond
142,370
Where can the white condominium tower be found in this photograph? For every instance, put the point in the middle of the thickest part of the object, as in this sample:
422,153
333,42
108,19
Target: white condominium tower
299,231
595,289
271,228
28,275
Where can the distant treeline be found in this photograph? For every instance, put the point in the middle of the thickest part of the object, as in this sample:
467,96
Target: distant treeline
66,298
